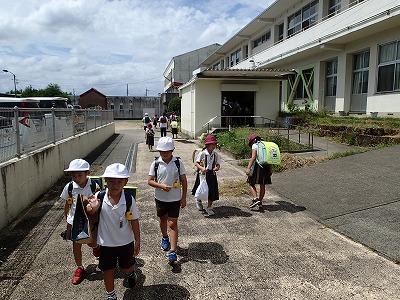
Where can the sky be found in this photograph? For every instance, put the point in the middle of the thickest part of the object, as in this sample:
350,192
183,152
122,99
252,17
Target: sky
119,47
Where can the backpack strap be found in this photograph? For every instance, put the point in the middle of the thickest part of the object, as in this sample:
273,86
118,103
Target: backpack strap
128,199
157,163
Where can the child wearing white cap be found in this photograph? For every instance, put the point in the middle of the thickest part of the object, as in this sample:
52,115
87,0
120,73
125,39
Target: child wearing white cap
80,184
168,176
119,233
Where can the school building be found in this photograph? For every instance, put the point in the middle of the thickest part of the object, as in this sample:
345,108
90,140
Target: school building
342,56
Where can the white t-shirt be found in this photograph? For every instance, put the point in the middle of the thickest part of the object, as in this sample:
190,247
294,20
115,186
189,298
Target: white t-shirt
163,125
144,120
210,158
114,228
76,189
167,174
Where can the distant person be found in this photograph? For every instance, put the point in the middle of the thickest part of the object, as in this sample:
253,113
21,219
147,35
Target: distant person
83,185
257,174
146,120
208,162
150,136
119,232
163,124
155,121
174,128
168,176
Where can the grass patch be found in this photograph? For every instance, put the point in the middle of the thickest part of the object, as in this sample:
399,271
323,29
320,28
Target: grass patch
235,141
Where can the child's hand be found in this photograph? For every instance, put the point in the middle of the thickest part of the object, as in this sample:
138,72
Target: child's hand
166,188
183,202
94,203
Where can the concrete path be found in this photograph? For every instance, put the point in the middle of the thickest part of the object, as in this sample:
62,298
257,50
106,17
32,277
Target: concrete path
291,249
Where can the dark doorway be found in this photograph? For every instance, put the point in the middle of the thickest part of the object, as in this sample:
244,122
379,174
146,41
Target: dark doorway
236,107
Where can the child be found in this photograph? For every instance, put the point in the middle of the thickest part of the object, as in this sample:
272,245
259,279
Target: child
174,128
150,136
167,174
208,162
119,233
163,124
80,184
256,173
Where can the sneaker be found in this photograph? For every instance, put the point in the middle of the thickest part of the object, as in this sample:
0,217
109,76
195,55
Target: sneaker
172,257
132,279
260,204
210,211
96,251
165,243
199,205
255,202
78,276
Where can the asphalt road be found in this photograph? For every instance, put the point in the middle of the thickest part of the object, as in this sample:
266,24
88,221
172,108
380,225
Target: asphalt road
325,232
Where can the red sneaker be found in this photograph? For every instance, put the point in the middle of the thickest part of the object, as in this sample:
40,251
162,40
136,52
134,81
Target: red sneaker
96,251
78,276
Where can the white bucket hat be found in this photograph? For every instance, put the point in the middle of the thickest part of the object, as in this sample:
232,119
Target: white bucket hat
116,170
165,144
78,165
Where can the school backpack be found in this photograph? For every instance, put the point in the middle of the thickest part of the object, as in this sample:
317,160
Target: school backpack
147,119
268,153
157,163
71,187
163,119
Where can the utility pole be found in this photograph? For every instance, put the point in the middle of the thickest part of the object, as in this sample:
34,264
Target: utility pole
146,91
127,90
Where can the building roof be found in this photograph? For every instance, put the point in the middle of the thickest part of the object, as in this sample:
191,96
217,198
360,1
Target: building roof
93,90
270,74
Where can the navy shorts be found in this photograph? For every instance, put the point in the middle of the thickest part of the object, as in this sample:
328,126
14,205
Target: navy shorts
168,208
110,255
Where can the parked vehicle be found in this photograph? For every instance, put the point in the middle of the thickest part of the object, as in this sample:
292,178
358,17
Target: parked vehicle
49,102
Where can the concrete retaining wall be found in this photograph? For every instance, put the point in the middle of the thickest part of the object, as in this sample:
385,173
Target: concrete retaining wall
25,179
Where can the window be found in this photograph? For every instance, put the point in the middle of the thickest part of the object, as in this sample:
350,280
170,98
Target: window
361,73
112,105
389,67
280,32
217,66
303,18
262,39
331,77
334,7
236,57
121,106
130,105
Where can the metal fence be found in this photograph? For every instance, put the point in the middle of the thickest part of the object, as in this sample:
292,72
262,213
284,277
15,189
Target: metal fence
23,130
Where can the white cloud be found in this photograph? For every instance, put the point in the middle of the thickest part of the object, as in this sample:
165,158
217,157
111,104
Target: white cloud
80,44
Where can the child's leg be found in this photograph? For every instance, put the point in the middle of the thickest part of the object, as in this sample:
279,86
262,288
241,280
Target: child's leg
77,250
163,225
209,203
262,191
108,277
253,191
173,233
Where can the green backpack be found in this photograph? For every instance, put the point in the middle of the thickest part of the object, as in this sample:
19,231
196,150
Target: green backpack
268,153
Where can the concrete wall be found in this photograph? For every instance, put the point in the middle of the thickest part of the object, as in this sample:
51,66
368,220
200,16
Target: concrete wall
23,180
134,107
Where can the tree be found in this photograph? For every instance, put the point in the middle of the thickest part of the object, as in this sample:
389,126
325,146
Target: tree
52,90
175,104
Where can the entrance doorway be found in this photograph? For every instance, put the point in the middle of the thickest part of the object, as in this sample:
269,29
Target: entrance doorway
235,107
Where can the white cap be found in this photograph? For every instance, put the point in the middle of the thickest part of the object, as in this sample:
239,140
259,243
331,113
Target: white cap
116,170
146,114
78,165
165,143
